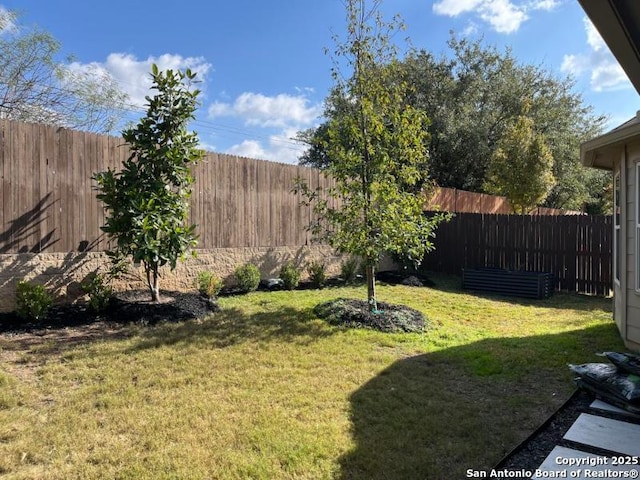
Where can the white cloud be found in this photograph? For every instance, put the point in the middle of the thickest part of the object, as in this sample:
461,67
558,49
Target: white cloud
504,16
453,8
133,75
279,147
605,72
249,149
285,114
547,5
471,29
260,110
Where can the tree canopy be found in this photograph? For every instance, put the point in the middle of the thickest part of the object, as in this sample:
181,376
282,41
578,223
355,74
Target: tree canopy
36,87
521,166
472,96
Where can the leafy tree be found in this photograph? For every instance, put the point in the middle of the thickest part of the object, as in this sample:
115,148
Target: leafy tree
377,145
477,93
472,95
147,201
35,87
521,166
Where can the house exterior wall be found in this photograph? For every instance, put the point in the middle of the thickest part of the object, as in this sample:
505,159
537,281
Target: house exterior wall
631,334
619,278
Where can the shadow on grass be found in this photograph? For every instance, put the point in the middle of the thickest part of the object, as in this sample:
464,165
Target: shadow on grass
222,329
560,300
231,326
438,414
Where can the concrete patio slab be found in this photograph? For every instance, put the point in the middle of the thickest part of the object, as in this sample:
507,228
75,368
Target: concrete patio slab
614,435
600,405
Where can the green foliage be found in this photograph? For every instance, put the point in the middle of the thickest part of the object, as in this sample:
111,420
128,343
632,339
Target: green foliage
290,275
36,87
209,284
33,300
248,277
317,273
148,200
472,94
521,167
378,148
349,269
99,291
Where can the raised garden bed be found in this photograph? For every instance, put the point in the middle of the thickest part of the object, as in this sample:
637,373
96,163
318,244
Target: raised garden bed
536,285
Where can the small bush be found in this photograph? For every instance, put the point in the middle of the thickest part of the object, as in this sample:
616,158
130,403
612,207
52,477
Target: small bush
290,275
99,291
33,300
349,270
317,273
209,284
248,277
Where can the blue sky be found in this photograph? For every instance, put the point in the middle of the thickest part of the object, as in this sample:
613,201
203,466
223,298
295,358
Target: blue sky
263,66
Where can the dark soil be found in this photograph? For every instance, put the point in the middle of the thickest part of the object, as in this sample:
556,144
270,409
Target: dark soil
533,451
395,277
125,307
355,314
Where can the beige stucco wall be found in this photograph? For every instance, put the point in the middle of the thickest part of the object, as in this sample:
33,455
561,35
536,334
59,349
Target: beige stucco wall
62,273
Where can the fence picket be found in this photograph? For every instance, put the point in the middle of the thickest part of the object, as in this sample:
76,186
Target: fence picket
48,204
575,248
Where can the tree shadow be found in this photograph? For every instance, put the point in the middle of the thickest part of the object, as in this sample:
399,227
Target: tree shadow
60,280
217,330
231,327
26,227
438,414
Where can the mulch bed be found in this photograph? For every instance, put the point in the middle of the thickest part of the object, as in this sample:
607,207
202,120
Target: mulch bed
348,312
126,307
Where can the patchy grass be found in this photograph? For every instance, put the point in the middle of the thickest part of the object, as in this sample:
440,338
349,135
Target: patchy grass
266,390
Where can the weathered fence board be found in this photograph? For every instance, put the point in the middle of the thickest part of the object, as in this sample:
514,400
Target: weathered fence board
575,248
49,205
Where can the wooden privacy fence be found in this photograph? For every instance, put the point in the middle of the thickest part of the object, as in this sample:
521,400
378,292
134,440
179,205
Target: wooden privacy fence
454,200
575,248
49,205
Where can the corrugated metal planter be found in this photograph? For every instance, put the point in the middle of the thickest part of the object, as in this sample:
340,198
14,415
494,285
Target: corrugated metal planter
536,285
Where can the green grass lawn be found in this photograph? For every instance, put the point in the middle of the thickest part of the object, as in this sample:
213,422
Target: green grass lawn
266,390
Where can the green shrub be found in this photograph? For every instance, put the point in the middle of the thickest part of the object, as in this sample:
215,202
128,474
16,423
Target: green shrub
99,291
209,284
290,275
349,270
33,300
248,277
317,273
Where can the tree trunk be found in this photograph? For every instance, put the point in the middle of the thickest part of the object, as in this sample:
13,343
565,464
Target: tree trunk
371,288
155,289
152,282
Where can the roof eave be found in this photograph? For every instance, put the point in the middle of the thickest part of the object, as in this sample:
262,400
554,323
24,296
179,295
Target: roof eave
618,22
599,152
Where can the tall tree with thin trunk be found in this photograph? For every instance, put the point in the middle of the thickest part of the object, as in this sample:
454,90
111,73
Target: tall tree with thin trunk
148,200
377,148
